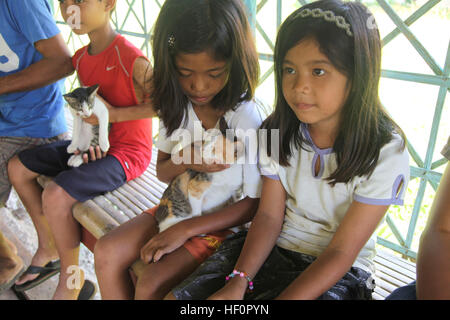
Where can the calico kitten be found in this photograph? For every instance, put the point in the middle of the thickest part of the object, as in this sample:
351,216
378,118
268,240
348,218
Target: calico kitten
83,102
195,193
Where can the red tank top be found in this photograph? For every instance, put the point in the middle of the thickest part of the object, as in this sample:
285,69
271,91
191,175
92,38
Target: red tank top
112,69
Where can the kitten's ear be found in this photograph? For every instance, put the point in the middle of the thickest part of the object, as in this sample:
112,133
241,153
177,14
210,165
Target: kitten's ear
92,91
70,99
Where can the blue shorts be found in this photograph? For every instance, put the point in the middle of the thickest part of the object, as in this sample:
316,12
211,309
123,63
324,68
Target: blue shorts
82,183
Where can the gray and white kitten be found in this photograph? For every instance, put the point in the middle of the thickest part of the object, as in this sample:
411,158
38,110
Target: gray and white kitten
83,102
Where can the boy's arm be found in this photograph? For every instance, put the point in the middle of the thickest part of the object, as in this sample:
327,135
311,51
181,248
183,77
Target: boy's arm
56,64
142,79
433,259
354,231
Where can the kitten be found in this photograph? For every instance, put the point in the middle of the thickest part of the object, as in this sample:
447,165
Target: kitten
83,102
195,193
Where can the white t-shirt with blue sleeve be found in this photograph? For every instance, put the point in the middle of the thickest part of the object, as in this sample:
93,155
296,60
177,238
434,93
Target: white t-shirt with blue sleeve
314,209
245,121
37,113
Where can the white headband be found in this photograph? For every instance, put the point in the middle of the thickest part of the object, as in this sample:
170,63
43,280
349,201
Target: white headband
328,16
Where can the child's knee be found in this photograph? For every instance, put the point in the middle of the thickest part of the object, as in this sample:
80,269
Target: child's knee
105,253
16,170
55,196
102,250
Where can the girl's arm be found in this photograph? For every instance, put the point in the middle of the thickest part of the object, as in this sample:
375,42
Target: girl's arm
261,238
175,236
356,228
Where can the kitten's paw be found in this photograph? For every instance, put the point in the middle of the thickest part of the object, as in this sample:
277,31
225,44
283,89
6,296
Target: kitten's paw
75,161
71,148
104,146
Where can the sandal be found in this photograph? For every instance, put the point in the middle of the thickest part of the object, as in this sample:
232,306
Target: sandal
46,272
88,290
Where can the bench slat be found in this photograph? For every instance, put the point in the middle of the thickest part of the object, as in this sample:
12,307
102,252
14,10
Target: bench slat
380,292
389,264
156,189
140,194
388,278
127,202
151,200
107,206
395,274
376,296
403,263
114,200
93,218
125,191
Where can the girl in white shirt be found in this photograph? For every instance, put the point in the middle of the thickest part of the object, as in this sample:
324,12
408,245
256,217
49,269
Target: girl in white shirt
338,164
205,71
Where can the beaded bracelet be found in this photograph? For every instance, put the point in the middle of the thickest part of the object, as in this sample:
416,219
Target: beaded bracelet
242,275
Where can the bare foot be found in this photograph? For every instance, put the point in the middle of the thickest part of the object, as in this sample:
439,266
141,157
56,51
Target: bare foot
11,245
10,267
40,259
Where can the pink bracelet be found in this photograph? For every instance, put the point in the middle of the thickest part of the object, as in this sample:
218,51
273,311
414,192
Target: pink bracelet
242,275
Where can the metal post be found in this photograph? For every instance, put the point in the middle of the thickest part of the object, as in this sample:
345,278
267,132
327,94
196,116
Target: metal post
251,10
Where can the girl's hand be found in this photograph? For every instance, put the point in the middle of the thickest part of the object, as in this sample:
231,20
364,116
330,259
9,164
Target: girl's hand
195,156
165,242
233,290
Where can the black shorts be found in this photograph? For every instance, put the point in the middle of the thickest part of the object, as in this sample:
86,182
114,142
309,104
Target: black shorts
82,183
280,269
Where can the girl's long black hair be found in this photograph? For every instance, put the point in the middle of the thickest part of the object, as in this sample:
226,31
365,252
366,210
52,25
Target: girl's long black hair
365,126
195,26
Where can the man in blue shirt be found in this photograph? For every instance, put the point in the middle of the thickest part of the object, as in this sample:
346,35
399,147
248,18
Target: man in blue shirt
33,57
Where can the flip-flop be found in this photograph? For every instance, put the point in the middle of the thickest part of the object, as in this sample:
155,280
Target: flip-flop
46,272
10,283
87,291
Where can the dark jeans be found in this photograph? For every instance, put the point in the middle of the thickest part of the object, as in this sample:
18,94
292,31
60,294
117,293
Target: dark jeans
280,269
407,292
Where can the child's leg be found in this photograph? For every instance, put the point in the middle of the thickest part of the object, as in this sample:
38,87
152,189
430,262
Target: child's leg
57,207
116,251
157,279
30,192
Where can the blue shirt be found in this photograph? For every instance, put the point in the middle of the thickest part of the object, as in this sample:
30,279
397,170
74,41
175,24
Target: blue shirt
37,113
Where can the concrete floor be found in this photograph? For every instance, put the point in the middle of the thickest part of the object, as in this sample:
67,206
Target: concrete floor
17,226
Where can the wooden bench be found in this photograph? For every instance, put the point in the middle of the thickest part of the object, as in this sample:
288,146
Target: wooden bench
106,212
391,273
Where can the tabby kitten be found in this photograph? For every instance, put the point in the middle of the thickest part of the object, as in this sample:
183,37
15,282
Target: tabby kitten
83,102
195,193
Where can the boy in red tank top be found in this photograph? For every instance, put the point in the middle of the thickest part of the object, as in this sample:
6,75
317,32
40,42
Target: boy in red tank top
124,75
